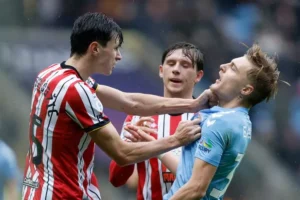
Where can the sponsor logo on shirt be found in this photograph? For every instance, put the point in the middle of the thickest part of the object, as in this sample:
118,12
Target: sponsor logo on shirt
30,183
205,145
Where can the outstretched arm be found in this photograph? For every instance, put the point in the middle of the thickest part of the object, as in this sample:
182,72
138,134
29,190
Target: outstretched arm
146,104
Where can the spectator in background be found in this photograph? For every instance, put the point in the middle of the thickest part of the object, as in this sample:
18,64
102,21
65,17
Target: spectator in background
9,172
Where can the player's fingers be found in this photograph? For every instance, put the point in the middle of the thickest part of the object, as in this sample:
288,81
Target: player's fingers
196,121
149,130
196,129
145,121
130,137
145,136
131,127
133,134
197,136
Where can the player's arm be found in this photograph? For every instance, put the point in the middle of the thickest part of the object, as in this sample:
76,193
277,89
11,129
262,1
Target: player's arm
133,180
196,187
118,175
82,106
207,158
168,159
146,104
125,153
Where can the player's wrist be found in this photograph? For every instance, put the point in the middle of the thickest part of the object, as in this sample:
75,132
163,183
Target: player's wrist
174,141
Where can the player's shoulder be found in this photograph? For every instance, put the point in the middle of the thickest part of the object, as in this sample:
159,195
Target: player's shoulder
229,118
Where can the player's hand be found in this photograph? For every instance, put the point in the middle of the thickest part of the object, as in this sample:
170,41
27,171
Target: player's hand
145,121
139,133
207,99
188,131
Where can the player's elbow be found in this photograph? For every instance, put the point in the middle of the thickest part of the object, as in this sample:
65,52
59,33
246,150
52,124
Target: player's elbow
121,160
200,194
197,191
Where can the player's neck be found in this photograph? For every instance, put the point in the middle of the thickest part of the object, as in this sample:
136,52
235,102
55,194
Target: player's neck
234,103
178,95
81,65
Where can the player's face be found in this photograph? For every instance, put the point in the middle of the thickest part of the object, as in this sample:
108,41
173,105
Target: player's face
233,79
179,75
108,57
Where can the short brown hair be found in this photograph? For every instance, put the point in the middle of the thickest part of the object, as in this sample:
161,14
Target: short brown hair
188,50
264,76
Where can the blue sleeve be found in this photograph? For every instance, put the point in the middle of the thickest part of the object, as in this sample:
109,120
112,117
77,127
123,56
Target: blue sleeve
10,168
213,141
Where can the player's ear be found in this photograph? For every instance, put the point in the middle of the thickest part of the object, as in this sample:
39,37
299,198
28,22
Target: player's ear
199,76
161,71
95,47
247,90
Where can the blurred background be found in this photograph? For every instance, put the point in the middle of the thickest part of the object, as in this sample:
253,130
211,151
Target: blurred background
35,34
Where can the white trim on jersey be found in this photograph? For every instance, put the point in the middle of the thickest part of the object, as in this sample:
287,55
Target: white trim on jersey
72,115
58,95
83,144
147,186
164,131
89,101
94,192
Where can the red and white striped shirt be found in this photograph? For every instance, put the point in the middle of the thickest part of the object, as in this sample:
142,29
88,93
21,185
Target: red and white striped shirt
155,179
64,109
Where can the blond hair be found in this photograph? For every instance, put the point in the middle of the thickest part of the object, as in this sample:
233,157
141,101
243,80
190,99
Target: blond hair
264,76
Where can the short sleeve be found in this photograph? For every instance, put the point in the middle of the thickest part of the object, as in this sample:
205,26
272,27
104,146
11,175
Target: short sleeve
91,83
213,141
84,107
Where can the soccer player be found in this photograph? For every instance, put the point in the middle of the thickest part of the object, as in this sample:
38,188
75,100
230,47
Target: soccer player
181,68
67,118
9,173
207,165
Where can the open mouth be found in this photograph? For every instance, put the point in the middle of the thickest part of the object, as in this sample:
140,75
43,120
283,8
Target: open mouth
175,80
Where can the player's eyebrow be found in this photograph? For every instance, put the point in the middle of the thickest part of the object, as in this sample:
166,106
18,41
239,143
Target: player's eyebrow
234,65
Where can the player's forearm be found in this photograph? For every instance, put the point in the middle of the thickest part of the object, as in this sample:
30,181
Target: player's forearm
140,151
170,161
188,192
146,104
118,176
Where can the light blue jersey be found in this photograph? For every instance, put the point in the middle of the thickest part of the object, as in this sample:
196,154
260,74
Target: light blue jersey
226,134
8,166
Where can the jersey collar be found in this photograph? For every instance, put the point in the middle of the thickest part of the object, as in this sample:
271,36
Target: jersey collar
64,66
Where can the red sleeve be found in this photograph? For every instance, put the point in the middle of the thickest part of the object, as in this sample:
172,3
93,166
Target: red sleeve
118,176
83,106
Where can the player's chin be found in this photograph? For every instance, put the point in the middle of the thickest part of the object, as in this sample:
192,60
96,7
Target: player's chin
214,87
108,72
175,90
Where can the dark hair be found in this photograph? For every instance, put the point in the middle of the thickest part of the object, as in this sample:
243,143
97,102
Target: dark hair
92,27
188,50
264,75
